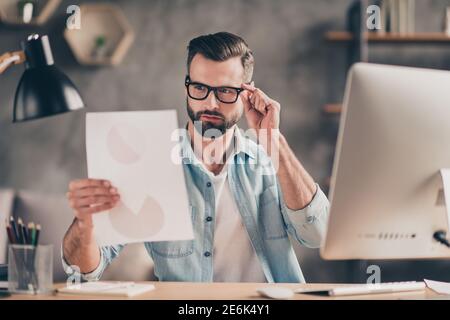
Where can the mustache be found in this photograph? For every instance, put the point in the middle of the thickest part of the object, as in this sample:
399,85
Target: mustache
210,113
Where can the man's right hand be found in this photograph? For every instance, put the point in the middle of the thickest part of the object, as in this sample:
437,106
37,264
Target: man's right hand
89,196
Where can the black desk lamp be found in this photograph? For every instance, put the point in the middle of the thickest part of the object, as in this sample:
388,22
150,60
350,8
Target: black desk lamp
43,89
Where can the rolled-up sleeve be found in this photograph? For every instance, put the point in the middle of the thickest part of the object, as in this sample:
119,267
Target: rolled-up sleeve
308,225
107,254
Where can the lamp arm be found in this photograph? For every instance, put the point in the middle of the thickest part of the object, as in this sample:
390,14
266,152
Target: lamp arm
9,58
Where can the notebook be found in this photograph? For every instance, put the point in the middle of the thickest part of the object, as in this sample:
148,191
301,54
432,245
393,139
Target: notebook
103,288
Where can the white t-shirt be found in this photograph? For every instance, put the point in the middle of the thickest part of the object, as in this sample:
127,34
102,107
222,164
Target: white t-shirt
234,257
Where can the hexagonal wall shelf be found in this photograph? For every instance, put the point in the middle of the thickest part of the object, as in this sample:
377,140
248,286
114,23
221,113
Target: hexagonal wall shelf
104,37
42,10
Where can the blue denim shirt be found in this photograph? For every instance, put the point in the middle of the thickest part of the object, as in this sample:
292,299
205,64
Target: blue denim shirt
268,221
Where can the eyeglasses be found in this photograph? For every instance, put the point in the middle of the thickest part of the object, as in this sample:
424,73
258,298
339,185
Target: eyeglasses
200,91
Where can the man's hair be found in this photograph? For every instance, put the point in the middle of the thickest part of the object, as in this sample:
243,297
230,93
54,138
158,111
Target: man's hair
222,46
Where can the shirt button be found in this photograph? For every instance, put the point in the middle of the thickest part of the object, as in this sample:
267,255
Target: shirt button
208,184
310,219
209,219
207,254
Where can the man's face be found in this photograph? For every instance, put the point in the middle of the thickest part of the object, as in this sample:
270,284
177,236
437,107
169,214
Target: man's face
212,113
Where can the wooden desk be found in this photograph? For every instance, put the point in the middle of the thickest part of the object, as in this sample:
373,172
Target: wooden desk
225,291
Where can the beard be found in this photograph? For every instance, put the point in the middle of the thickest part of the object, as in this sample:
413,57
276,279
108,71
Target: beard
208,129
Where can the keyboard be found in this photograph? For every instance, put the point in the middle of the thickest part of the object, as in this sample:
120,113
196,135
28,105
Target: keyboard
361,289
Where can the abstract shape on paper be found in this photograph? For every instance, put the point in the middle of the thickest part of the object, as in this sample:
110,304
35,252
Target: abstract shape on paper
147,222
126,144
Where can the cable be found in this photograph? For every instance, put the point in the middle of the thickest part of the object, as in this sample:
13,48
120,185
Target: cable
440,236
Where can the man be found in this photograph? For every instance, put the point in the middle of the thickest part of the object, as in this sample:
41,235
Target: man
242,205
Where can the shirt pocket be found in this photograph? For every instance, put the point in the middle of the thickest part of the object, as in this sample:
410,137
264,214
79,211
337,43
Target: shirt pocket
270,217
175,249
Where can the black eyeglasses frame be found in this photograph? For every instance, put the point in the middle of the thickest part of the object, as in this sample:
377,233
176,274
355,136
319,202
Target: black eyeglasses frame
188,82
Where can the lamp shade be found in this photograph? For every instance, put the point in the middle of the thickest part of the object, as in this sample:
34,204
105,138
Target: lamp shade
43,89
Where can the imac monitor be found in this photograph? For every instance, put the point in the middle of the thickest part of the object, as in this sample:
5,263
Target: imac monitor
386,190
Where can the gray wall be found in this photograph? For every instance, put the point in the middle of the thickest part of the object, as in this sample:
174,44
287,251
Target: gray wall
293,65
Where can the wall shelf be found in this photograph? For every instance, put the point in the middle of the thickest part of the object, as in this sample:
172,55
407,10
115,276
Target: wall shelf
426,37
10,12
373,37
104,38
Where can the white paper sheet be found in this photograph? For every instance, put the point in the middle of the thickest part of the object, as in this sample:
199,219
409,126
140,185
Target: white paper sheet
134,151
438,287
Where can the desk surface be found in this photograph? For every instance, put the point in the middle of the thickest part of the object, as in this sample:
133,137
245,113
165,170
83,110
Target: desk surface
225,291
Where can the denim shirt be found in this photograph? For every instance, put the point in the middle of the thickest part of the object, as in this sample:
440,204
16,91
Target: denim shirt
269,222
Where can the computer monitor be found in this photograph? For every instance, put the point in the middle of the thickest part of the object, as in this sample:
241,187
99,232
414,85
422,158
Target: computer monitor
386,191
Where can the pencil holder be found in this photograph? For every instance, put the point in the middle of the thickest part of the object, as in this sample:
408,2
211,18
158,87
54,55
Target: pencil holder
30,269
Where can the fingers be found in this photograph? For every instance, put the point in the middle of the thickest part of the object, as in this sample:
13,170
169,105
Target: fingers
259,101
249,87
79,203
92,191
88,196
85,183
259,107
246,101
87,212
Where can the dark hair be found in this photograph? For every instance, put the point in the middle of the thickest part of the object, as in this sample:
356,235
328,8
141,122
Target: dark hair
222,46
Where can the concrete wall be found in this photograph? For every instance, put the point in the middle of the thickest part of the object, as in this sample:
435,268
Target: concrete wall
293,65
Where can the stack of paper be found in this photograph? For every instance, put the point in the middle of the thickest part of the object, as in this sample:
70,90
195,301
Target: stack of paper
438,287
119,289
